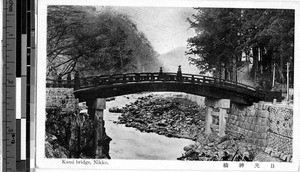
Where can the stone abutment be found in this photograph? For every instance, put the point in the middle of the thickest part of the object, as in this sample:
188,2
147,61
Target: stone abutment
268,126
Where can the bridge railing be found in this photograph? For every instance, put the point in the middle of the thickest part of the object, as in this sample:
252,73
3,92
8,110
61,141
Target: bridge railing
94,81
60,83
199,79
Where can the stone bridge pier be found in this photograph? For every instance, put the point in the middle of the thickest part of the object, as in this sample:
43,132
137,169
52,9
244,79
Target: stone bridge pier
95,110
216,115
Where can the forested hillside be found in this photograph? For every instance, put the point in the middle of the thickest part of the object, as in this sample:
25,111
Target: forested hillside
95,41
264,36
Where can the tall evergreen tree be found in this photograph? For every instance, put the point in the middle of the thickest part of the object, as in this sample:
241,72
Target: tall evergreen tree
223,34
272,32
217,41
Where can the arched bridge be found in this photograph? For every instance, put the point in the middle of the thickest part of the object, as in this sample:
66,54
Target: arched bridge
219,94
90,88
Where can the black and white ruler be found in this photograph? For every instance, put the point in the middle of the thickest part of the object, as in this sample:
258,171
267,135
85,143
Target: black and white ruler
18,51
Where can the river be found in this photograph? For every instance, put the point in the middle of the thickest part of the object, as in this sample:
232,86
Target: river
129,143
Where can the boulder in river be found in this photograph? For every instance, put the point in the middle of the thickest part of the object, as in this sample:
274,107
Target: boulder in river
116,110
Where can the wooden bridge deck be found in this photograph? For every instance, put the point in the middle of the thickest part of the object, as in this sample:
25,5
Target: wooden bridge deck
121,84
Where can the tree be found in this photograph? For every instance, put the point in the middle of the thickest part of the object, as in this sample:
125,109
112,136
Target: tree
94,41
62,23
217,41
272,32
223,34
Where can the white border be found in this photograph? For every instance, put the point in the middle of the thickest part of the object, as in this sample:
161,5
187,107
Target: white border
42,164
1,81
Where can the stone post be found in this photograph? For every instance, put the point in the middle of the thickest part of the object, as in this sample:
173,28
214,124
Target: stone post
222,105
208,119
99,106
95,110
222,121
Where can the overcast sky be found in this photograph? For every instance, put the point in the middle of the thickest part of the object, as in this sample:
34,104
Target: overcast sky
165,28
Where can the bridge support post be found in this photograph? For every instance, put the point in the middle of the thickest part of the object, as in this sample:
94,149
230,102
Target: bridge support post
222,121
221,105
208,119
95,110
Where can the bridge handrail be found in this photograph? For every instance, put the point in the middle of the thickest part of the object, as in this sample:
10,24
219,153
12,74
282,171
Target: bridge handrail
59,83
224,80
230,84
94,81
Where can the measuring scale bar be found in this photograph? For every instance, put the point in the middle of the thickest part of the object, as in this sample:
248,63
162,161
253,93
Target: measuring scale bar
9,86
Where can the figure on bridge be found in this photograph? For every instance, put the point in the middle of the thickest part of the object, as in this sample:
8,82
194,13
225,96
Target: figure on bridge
179,73
160,74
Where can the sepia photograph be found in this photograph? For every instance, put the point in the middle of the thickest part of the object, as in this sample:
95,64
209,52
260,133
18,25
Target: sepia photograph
168,83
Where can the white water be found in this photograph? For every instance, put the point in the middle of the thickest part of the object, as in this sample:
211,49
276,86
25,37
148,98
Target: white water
129,143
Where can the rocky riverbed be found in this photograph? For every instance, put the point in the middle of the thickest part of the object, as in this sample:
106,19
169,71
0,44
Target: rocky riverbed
182,118
169,116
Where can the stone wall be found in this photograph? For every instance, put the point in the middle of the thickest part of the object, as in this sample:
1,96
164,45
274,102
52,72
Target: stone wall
62,98
267,126
74,132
